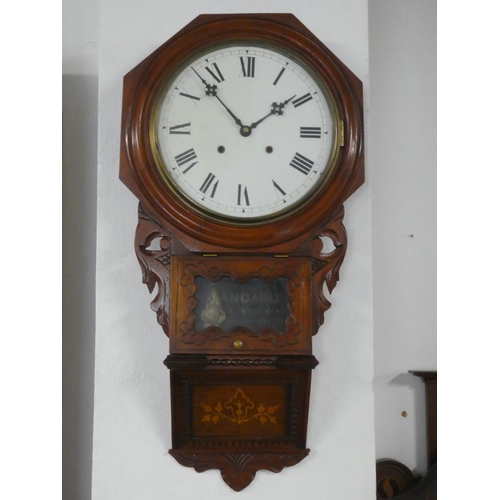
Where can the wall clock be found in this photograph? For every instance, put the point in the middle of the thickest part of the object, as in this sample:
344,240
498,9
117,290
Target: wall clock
242,136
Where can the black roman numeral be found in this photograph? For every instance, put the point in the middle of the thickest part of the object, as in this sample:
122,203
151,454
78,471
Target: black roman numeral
280,189
248,68
310,132
243,192
190,167
178,129
302,100
279,76
183,94
207,183
301,163
185,157
217,77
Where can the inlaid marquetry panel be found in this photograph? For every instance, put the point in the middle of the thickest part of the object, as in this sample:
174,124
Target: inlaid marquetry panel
239,411
222,407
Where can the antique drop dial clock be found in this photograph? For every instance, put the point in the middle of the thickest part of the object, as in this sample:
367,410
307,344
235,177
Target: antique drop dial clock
242,136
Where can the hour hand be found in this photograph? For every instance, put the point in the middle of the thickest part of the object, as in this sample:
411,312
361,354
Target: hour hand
276,109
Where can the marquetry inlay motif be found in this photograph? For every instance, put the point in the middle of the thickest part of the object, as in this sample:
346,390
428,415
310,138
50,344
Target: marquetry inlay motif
239,409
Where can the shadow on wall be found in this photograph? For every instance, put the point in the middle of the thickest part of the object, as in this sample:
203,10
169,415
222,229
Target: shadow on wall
79,177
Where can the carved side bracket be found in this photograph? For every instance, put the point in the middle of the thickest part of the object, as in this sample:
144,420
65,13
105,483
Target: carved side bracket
155,263
326,266
238,469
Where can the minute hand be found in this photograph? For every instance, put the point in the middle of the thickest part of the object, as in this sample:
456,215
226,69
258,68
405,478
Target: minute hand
212,90
235,118
276,109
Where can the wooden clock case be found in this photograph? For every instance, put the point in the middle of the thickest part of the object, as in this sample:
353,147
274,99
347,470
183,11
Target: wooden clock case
240,395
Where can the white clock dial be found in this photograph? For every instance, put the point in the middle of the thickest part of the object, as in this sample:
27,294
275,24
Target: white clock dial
245,132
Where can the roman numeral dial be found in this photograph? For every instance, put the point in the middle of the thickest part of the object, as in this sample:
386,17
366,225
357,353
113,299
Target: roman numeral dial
180,129
280,74
214,71
185,157
302,100
245,133
310,132
189,96
210,182
248,66
301,163
243,195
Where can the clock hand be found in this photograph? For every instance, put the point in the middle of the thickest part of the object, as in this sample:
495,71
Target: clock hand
276,109
245,130
209,89
212,90
254,124
235,118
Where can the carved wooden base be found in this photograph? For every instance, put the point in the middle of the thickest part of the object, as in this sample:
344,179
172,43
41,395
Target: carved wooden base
238,469
239,414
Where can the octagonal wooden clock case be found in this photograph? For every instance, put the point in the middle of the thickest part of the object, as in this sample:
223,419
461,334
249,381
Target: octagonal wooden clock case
242,136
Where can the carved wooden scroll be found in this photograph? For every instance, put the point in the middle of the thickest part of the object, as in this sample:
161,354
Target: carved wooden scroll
326,265
155,263
238,469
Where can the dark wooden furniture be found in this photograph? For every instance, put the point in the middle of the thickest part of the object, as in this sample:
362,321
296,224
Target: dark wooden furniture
430,380
394,479
239,301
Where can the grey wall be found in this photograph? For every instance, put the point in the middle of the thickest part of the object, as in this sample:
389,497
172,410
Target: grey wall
402,154
79,106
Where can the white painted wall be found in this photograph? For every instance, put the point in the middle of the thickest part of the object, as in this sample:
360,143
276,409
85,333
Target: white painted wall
79,154
132,409
403,177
